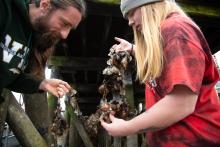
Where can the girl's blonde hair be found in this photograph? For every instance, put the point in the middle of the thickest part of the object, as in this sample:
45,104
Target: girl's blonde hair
149,42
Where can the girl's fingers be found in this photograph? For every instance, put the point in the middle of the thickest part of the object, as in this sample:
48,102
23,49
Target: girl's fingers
104,124
114,46
118,39
112,118
118,47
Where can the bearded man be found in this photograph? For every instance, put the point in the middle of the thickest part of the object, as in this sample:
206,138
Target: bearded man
29,31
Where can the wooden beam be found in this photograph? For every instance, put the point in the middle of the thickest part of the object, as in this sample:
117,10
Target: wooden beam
36,107
107,1
74,138
70,64
22,126
104,140
78,124
200,7
201,10
3,112
108,25
87,88
132,140
103,8
89,100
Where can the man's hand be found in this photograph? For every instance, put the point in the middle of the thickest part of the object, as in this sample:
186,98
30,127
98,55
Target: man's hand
56,87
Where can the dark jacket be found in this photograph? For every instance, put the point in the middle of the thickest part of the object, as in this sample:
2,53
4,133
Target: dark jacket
15,45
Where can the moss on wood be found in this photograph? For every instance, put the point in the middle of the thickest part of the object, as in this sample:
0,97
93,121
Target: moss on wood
108,1
189,7
201,10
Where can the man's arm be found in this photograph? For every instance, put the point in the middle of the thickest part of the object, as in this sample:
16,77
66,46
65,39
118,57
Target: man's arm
25,83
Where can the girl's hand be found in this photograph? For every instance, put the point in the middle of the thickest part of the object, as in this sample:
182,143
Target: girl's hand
118,127
56,87
123,46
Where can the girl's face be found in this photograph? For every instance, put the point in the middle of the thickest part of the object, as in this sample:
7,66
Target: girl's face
134,18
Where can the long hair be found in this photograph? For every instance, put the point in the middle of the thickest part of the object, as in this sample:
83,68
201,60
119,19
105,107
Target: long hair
42,46
149,42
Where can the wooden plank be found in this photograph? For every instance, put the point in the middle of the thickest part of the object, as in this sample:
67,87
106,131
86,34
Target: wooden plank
22,126
67,64
111,7
104,140
80,128
129,91
103,8
3,111
74,138
87,88
36,107
117,142
107,1
132,140
88,100
201,7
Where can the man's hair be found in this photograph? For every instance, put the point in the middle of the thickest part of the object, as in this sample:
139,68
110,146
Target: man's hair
63,4
149,42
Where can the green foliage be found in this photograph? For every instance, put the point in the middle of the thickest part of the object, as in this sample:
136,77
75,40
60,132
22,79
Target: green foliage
201,10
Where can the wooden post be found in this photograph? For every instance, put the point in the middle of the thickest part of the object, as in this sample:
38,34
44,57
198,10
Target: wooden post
3,112
132,140
117,142
52,104
79,126
52,100
36,107
103,138
128,85
74,138
22,126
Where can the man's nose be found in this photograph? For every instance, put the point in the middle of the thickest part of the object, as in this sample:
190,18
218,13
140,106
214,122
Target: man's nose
64,33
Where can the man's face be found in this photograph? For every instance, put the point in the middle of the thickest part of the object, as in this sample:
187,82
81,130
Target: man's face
54,25
63,21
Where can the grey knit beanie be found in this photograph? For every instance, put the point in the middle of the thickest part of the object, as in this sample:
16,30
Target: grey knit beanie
127,5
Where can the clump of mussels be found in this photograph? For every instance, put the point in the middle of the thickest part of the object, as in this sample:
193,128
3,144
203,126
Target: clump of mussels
59,127
112,86
113,83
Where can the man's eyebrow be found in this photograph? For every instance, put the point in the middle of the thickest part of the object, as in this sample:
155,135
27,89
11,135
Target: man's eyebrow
67,22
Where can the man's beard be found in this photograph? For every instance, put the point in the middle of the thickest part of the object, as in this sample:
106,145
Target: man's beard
43,37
